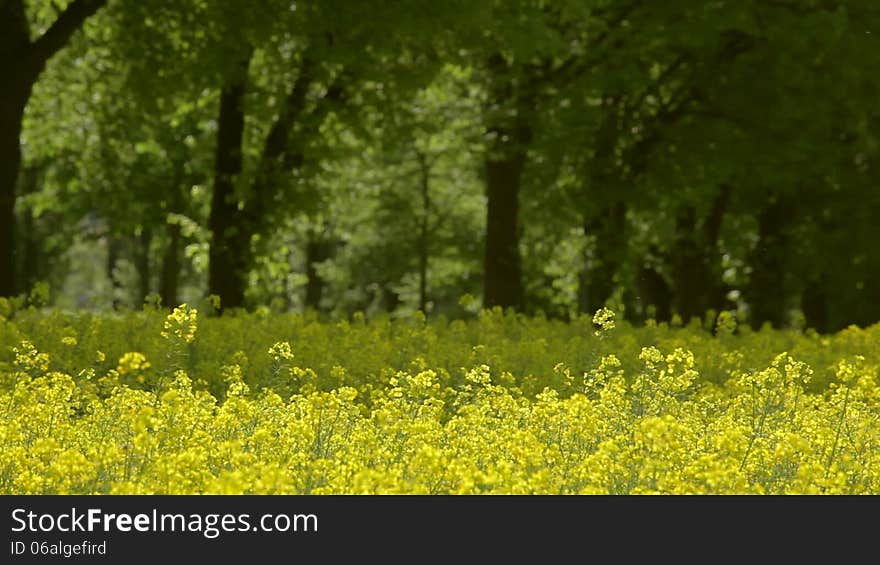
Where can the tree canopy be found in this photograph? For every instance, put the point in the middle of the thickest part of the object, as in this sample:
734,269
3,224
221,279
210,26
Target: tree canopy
667,159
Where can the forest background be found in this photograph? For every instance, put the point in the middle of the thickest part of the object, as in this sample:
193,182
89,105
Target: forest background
665,159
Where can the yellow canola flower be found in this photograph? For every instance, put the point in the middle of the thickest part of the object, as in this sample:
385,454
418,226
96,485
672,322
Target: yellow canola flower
181,323
132,362
28,358
281,351
687,414
604,318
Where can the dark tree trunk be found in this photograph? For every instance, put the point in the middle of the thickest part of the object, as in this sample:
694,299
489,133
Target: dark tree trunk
814,304
505,162
170,275
606,226
870,305
169,271
317,250
29,269
142,264
597,280
280,154
502,284
229,257
697,284
22,61
716,289
390,299
285,300
655,295
236,226
689,267
30,265
766,292
11,115
424,231
17,81
114,250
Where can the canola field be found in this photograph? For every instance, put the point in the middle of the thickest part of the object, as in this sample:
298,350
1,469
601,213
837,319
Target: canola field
155,403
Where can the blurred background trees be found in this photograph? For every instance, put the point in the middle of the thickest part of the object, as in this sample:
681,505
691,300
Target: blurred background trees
666,159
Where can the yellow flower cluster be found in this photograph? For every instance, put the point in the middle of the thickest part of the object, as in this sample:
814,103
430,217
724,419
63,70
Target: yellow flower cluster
132,362
181,324
604,318
281,351
643,421
28,359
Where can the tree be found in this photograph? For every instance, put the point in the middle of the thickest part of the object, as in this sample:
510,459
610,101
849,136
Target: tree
22,60
524,42
407,199
324,64
128,168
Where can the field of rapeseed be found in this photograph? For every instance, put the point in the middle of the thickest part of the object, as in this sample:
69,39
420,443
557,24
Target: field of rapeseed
147,402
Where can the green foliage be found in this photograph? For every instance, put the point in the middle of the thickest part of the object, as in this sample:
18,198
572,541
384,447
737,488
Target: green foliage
644,112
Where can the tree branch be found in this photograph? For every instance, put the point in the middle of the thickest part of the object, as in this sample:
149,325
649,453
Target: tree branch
278,155
59,33
574,67
631,109
14,29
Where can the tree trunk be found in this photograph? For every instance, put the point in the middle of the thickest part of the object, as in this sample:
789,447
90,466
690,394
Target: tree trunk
390,299
697,284
280,155
17,85
766,292
22,61
424,235
655,295
113,252
229,256
502,266
170,276
716,289
236,226
689,268
317,250
29,267
505,161
11,115
28,272
142,264
814,304
607,225
597,279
